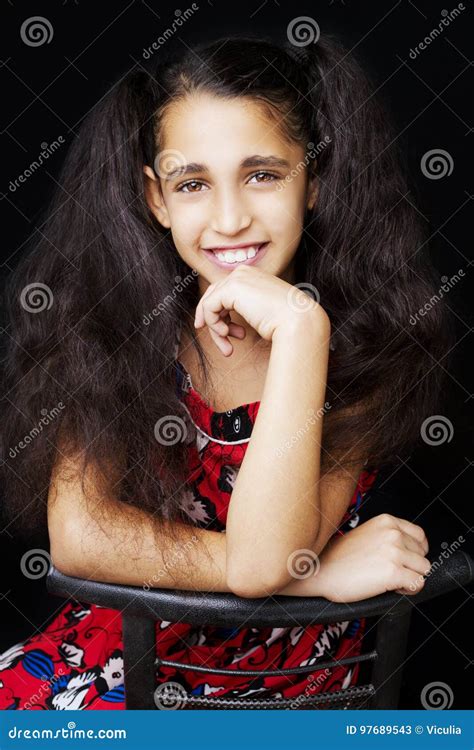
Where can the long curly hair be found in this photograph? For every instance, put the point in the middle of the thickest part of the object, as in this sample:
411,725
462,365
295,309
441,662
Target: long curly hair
84,372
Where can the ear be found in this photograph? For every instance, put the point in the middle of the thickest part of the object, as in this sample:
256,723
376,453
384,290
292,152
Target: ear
312,193
154,197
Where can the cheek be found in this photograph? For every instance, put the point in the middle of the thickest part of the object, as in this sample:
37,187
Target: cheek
287,204
187,222
286,222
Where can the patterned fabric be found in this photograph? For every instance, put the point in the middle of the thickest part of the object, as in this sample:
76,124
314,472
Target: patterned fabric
76,662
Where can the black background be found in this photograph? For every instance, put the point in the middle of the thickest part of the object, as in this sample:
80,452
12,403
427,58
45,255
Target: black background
47,90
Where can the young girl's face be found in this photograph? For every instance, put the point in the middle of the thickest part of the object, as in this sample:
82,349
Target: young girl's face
221,196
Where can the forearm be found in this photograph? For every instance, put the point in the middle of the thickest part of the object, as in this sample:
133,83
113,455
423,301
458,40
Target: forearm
128,546
273,509
318,581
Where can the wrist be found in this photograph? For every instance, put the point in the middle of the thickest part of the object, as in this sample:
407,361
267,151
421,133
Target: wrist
314,585
313,322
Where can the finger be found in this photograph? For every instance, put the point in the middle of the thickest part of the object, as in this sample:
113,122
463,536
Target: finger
212,309
221,328
222,343
237,331
198,315
413,530
411,581
417,563
410,543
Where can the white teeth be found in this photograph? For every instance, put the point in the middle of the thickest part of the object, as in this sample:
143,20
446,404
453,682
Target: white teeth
230,256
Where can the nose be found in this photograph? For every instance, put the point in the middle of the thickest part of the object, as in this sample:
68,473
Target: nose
230,213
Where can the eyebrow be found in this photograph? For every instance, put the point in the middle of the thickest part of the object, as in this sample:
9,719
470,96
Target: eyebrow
251,161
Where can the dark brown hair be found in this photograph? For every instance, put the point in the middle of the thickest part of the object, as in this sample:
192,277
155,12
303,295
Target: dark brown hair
106,263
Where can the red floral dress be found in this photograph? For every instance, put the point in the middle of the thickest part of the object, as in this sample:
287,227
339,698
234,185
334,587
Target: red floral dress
76,661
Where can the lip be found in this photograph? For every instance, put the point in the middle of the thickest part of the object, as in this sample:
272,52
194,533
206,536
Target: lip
249,262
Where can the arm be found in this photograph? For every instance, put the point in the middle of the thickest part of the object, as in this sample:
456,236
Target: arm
383,554
336,491
93,539
275,503
387,553
102,539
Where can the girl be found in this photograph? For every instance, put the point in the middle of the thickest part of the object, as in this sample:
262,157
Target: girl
216,322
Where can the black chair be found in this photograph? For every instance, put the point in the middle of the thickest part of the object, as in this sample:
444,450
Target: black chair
388,621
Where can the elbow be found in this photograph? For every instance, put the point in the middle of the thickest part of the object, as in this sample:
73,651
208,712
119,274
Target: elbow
248,585
64,561
65,556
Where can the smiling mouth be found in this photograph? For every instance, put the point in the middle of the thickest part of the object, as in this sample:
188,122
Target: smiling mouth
237,256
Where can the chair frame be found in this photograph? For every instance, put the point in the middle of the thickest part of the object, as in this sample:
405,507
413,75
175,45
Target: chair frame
390,612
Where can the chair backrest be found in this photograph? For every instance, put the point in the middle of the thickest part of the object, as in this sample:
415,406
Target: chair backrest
141,608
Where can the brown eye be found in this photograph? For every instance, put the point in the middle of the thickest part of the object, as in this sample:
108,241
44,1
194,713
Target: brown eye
266,174
181,189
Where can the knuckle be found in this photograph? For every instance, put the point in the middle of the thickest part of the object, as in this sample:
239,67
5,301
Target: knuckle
393,536
396,555
419,531
385,519
391,571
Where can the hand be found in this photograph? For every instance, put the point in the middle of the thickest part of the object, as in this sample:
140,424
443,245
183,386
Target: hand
383,554
265,301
